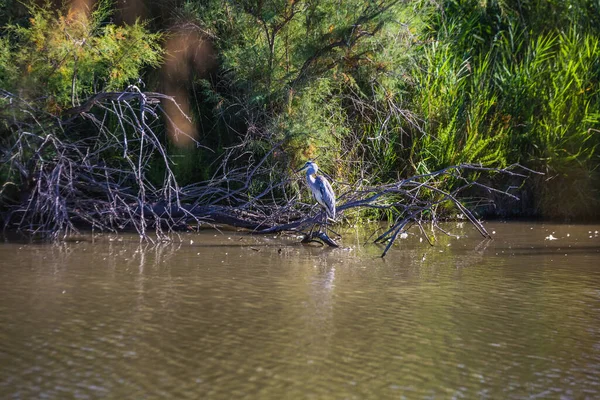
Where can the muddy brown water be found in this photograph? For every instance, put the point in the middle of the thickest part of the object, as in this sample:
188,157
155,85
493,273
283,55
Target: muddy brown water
230,316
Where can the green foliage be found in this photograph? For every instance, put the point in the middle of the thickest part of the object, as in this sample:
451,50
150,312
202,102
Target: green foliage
374,90
8,71
460,111
293,62
511,81
68,55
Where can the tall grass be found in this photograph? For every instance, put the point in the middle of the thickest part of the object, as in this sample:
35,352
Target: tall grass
494,90
459,109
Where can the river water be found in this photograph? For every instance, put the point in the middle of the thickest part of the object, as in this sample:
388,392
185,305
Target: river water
225,315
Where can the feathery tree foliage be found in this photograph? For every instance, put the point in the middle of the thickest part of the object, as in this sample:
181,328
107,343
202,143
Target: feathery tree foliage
66,56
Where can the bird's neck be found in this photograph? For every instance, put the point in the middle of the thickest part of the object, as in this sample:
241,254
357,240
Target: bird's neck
310,176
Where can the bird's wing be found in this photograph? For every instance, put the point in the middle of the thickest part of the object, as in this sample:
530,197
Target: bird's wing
327,195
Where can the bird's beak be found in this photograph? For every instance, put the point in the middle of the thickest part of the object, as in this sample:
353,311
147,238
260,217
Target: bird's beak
301,169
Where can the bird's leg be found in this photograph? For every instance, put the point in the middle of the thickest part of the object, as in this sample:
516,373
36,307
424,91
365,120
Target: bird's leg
334,232
317,224
309,237
324,238
310,232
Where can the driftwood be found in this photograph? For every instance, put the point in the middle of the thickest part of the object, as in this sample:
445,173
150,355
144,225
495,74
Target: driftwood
413,201
61,169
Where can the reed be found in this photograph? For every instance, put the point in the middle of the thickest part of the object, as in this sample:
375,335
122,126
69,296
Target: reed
503,90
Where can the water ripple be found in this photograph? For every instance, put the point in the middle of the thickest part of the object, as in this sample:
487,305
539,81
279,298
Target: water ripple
510,318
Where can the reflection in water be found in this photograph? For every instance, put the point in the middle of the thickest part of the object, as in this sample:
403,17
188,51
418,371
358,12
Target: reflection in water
229,316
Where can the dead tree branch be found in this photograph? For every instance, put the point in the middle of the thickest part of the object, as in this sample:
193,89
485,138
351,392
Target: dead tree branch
92,168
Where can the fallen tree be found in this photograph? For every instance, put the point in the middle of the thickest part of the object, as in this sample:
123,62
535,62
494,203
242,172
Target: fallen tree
90,168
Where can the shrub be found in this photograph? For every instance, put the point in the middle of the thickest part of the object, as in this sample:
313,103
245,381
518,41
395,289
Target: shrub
66,55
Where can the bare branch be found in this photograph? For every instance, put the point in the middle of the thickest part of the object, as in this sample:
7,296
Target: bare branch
92,169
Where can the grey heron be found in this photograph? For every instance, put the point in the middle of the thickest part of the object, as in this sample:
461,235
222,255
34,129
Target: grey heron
320,188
